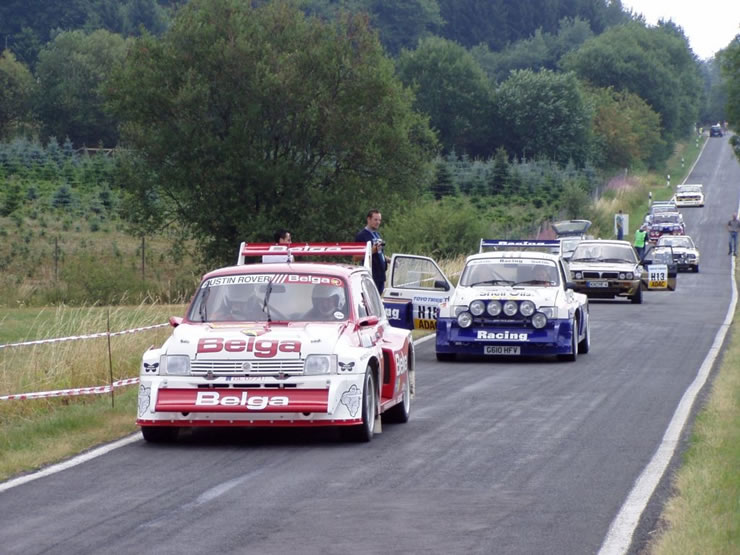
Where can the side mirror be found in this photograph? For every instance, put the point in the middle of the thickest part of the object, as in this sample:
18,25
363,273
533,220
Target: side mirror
570,285
441,284
175,321
368,321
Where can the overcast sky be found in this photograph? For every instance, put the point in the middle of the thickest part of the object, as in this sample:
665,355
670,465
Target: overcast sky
710,25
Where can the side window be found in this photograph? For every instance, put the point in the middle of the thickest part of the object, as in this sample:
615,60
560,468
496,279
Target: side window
370,292
415,273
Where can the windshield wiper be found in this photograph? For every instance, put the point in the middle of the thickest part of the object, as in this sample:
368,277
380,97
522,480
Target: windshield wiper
266,303
591,259
203,311
532,282
492,282
618,260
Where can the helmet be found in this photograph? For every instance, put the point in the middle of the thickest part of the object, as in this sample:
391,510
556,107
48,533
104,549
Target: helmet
327,299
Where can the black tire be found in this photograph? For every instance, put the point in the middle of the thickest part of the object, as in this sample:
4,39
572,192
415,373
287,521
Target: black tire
160,434
573,355
584,346
446,357
400,413
696,269
363,433
637,297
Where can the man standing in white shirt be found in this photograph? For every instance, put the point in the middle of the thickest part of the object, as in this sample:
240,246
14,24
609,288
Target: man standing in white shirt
282,239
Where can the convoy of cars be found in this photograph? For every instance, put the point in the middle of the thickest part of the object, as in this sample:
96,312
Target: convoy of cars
315,344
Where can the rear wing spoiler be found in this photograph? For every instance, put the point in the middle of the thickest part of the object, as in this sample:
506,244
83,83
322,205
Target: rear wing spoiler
307,249
546,245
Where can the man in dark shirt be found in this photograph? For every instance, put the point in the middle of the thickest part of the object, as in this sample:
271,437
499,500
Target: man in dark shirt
370,233
733,226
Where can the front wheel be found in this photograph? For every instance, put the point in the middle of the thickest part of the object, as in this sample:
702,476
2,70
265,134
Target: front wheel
696,269
445,357
585,344
637,297
363,433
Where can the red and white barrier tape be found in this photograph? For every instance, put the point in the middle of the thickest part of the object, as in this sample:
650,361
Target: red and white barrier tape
75,337
70,392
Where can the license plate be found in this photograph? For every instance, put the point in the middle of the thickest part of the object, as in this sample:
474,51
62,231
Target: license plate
597,284
501,350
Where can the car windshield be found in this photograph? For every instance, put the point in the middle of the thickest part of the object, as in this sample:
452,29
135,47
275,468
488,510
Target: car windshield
267,297
523,272
689,189
591,252
666,218
684,242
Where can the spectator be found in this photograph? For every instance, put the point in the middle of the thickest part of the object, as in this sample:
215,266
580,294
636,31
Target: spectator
619,221
282,237
733,226
640,238
379,260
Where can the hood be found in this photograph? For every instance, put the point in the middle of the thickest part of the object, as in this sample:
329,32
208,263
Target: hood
254,341
602,267
540,296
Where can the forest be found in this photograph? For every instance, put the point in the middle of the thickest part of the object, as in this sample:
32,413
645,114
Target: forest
211,122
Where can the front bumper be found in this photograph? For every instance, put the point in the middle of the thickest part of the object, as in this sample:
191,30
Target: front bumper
554,339
327,400
613,288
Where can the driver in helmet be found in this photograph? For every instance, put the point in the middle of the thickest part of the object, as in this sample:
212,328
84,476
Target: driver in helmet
328,304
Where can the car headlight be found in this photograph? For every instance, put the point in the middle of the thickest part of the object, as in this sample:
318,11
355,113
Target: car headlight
174,365
622,275
320,364
457,309
539,320
510,308
465,319
629,275
477,308
578,275
527,308
548,311
494,308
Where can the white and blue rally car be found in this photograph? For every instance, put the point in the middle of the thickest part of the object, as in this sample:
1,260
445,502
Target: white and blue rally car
513,301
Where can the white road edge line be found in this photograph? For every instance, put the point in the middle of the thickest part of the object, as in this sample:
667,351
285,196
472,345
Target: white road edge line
70,463
619,537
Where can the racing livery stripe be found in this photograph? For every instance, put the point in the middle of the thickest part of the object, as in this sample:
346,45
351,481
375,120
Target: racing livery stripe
236,400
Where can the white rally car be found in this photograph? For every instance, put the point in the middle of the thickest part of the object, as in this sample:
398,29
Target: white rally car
510,302
690,194
280,344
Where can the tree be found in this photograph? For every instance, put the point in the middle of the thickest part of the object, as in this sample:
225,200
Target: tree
402,23
499,178
443,185
16,91
654,63
626,130
452,89
70,71
544,114
244,116
731,72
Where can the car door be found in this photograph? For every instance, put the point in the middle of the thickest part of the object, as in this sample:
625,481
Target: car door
414,292
659,269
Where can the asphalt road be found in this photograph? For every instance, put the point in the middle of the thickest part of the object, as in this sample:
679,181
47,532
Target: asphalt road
514,457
